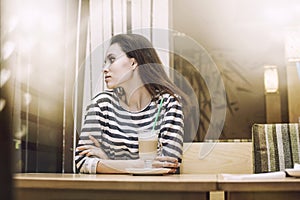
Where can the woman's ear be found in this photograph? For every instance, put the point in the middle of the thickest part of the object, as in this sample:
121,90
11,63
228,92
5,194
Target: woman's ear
134,64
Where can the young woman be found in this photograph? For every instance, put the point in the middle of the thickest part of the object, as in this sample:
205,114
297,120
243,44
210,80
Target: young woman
137,83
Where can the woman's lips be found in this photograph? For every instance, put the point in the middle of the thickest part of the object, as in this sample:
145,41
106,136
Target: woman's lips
107,77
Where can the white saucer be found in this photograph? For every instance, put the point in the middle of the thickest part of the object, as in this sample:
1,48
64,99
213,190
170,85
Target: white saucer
147,171
293,172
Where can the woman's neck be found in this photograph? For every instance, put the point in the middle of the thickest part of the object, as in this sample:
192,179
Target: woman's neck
136,98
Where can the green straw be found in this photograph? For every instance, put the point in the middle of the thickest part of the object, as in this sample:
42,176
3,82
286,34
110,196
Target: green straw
157,114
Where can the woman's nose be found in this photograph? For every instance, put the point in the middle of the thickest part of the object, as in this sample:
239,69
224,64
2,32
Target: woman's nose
105,67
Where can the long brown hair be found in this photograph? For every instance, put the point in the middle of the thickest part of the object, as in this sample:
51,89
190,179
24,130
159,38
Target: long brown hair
150,67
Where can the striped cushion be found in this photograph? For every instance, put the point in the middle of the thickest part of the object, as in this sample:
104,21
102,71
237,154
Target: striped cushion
275,146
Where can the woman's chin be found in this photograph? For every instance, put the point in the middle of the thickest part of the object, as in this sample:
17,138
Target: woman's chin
109,86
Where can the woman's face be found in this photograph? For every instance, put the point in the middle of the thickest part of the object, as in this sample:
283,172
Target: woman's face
117,67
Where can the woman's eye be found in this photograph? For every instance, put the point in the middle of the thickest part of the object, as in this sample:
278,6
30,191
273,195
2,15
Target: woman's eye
111,60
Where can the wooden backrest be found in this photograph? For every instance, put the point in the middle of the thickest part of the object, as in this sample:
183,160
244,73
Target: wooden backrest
225,157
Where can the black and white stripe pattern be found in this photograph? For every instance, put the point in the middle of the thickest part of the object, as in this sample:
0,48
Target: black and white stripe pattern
116,128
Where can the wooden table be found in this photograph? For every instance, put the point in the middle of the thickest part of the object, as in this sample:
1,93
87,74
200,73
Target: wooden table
283,189
85,186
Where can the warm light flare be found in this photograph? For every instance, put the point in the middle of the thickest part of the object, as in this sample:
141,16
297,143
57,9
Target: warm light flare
29,19
271,79
27,44
13,22
4,76
8,49
21,132
50,23
292,44
2,104
27,98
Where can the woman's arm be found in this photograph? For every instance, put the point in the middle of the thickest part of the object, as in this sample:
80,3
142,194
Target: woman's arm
85,162
172,130
104,165
118,166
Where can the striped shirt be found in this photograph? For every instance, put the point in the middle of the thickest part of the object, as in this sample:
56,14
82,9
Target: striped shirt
116,128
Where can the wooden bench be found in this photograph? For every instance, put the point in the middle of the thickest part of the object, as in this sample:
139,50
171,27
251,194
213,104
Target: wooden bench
224,157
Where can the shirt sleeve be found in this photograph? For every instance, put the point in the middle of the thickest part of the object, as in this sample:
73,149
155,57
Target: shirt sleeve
93,123
172,129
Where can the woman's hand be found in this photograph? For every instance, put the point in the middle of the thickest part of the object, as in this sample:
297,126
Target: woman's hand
166,162
91,150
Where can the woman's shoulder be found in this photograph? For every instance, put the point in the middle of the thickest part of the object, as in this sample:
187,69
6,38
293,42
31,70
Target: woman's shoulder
105,96
170,97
